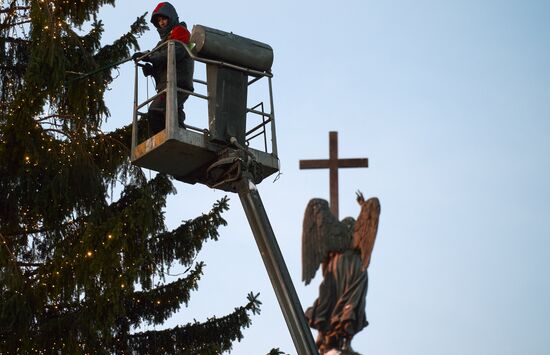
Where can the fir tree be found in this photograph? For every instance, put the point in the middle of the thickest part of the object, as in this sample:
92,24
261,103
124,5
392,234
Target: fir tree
77,269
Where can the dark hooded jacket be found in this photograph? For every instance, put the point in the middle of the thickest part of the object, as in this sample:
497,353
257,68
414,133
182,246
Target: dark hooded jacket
178,31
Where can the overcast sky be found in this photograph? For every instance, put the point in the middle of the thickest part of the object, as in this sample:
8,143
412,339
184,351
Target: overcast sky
450,101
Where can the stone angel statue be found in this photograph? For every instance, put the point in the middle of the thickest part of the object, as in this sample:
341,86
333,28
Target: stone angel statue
344,249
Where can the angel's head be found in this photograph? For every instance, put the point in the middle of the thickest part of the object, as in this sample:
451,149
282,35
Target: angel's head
349,222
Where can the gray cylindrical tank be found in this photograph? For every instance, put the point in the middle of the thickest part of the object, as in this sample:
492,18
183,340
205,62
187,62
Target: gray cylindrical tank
211,43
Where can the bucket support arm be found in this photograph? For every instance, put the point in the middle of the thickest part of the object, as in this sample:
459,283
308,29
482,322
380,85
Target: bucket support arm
276,267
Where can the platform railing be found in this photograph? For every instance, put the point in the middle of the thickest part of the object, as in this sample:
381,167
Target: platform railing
171,124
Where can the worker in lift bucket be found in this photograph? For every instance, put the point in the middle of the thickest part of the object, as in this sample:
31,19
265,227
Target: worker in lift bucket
166,20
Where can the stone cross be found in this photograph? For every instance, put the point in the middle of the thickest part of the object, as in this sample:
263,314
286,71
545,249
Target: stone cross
333,164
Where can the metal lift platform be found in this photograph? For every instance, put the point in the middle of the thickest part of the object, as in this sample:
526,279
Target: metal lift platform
188,153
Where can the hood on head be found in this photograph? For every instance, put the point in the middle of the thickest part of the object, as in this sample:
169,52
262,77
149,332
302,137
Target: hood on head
167,10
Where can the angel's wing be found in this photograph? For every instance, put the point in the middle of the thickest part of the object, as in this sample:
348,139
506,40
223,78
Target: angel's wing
365,228
321,233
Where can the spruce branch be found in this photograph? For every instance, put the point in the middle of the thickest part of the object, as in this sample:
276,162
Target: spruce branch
22,264
60,116
156,305
12,9
12,256
5,26
213,336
